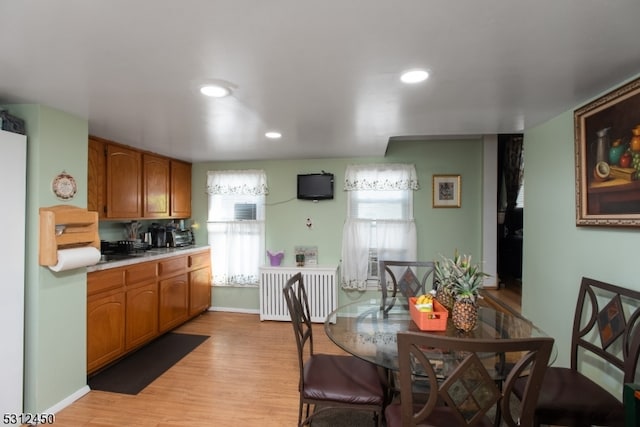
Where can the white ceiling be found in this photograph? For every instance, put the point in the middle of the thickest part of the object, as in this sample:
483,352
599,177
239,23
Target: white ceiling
323,72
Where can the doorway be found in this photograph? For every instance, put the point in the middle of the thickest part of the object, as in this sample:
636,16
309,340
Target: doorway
510,211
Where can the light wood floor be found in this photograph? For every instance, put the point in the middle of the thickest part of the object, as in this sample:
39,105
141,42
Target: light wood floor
245,375
508,297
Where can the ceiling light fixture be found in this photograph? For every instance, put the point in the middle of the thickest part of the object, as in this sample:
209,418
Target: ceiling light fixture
414,76
215,91
273,135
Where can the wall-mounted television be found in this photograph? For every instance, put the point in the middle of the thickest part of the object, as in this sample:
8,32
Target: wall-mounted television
315,186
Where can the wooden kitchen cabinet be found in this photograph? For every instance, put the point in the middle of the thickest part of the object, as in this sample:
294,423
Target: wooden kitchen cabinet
105,318
127,183
141,304
199,290
199,282
174,301
141,314
129,306
124,182
156,186
96,176
180,189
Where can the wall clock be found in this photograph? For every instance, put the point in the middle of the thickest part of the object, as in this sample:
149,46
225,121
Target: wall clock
64,186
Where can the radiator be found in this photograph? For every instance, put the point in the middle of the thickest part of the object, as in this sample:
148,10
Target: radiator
321,284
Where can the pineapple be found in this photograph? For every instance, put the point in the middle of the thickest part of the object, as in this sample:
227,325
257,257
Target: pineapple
466,288
444,279
458,284
446,272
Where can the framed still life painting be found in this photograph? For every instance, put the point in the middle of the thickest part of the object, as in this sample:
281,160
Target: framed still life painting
607,148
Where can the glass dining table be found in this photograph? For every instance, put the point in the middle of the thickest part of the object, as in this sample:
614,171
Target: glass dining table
365,331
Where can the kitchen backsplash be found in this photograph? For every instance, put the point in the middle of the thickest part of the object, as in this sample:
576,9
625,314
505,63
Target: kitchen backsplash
116,230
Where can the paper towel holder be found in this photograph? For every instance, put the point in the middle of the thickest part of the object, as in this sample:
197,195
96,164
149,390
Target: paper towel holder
79,229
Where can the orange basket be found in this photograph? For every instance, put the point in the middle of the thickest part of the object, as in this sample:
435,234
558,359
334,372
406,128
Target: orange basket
431,321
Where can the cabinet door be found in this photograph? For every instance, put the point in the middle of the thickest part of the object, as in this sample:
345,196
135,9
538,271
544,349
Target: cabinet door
124,182
96,176
180,189
174,301
105,328
199,290
141,314
156,186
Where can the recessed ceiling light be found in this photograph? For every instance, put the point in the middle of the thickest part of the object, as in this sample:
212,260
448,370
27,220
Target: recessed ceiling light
215,91
273,135
414,76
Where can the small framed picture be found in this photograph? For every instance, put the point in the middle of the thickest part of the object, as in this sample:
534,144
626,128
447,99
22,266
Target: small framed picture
446,191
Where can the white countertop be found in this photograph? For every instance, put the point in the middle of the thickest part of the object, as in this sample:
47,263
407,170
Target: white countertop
150,255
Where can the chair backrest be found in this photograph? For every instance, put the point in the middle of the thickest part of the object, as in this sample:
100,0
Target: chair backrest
462,370
606,329
408,277
298,304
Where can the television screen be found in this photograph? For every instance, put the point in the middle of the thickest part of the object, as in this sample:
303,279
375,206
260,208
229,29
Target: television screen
315,186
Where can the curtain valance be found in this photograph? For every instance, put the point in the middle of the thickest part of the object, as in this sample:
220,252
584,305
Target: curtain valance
239,182
382,176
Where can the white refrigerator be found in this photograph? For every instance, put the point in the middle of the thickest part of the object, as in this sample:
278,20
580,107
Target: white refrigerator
13,175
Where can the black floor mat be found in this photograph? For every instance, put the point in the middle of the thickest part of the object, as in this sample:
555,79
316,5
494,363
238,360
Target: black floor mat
138,370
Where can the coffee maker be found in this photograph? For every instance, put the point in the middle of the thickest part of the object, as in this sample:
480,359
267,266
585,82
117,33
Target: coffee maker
158,235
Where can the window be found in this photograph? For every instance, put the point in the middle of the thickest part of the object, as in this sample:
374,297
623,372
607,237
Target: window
379,223
236,225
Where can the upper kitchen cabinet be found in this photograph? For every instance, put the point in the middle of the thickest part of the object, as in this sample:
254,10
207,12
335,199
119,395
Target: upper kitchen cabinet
156,186
180,189
124,182
96,184
127,183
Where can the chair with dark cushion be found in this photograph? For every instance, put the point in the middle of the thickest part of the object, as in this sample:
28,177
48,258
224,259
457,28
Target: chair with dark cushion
326,380
605,340
463,387
410,278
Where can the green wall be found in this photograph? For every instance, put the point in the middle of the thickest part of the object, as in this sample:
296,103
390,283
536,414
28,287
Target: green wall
440,231
556,253
55,303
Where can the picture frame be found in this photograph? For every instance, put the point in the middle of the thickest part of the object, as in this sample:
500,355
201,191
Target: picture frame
306,255
607,179
446,191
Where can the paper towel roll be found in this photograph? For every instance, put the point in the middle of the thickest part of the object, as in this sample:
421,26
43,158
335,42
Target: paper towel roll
68,259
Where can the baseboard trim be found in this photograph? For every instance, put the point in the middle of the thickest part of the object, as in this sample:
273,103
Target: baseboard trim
235,310
68,400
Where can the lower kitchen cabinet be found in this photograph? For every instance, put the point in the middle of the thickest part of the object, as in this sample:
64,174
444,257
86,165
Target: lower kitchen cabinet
174,301
199,290
105,328
141,314
129,306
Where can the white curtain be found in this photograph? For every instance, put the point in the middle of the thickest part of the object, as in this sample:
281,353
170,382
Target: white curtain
380,177
377,227
356,239
237,243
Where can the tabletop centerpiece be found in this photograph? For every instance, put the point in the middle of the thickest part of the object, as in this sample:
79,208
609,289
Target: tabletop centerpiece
458,283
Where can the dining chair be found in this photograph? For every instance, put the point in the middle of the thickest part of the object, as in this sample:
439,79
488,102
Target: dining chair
463,388
407,277
605,341
329,381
